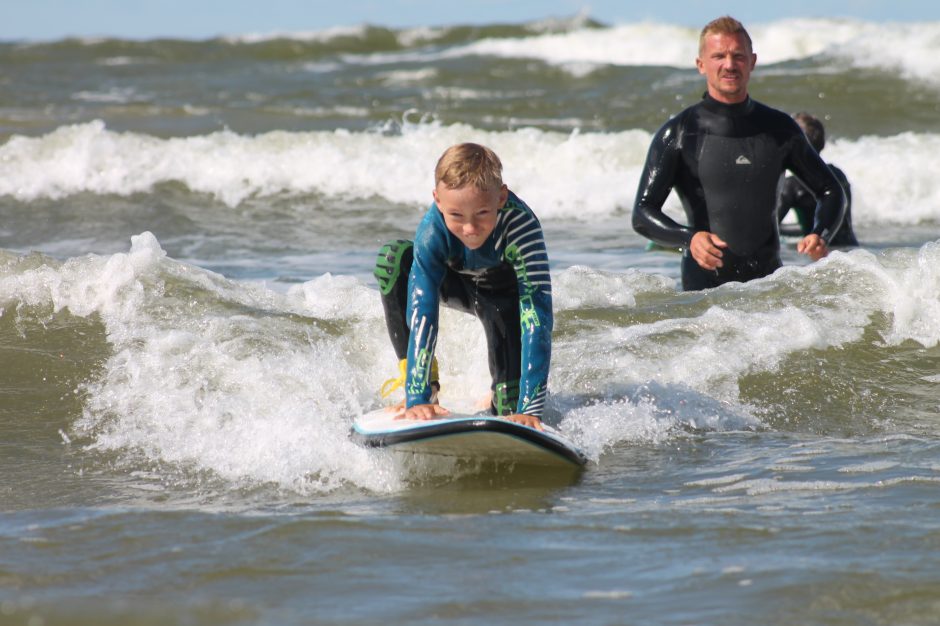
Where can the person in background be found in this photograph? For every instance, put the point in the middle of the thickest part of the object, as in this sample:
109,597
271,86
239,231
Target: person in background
794,194
479,249
724,157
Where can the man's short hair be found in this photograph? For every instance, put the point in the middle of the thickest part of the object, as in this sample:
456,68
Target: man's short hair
725,25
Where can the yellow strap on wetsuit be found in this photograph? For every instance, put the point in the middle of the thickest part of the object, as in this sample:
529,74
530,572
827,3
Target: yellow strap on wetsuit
392,384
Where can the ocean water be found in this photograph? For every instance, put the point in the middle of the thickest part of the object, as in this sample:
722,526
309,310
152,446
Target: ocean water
188,326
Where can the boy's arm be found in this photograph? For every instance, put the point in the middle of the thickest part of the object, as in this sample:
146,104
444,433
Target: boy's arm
424,282
526,251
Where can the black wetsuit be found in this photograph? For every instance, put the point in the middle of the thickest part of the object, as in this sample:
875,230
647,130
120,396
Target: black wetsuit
724,162
794,195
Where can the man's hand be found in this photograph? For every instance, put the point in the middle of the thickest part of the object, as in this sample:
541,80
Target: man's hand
422,412
526,420
706,249
813,246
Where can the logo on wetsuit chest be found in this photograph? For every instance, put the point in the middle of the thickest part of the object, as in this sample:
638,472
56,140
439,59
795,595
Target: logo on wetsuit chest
742,160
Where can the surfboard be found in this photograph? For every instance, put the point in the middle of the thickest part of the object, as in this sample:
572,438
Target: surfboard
481,437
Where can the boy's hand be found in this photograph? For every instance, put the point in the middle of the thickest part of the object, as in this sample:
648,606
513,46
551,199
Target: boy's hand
526,420
422,412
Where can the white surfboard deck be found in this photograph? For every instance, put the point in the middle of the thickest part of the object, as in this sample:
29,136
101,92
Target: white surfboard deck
481,437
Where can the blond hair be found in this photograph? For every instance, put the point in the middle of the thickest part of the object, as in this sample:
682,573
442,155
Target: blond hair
725,25
469,164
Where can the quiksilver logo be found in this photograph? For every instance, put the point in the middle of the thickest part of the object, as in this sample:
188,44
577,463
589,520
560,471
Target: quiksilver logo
742,160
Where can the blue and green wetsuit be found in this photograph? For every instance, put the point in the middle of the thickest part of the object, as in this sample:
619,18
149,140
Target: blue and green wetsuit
505,283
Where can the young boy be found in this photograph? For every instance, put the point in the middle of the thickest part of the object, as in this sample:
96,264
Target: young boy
793,194
479,249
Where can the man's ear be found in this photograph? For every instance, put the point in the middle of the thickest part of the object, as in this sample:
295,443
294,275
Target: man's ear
434,194
503,195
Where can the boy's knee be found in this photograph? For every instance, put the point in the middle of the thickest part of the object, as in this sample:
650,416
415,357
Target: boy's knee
505,397
393,261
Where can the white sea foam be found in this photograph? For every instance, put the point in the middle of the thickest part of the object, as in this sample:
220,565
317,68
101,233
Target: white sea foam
908,282
630,44
671,351
764,486
407,37
870,467
115,95
742,332
221,379
910,49
408,77
347,112
716,480
260,386
892,178
324,35
580,287
574,174
123,60
600,426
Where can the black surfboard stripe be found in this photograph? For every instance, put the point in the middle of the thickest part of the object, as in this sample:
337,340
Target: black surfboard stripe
458,427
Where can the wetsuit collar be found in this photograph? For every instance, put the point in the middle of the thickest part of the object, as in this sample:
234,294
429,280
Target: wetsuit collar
730,110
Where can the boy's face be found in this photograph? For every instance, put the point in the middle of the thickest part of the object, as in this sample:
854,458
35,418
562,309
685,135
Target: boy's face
470,213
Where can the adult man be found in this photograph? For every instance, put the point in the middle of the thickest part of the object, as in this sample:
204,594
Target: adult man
724,157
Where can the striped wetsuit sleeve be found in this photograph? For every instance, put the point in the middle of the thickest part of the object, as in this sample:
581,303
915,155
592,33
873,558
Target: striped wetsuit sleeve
525,251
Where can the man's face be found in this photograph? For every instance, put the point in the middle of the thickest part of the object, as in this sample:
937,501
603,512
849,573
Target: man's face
726,61
470,213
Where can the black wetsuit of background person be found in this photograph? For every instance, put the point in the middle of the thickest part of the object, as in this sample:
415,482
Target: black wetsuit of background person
794,195
725,163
